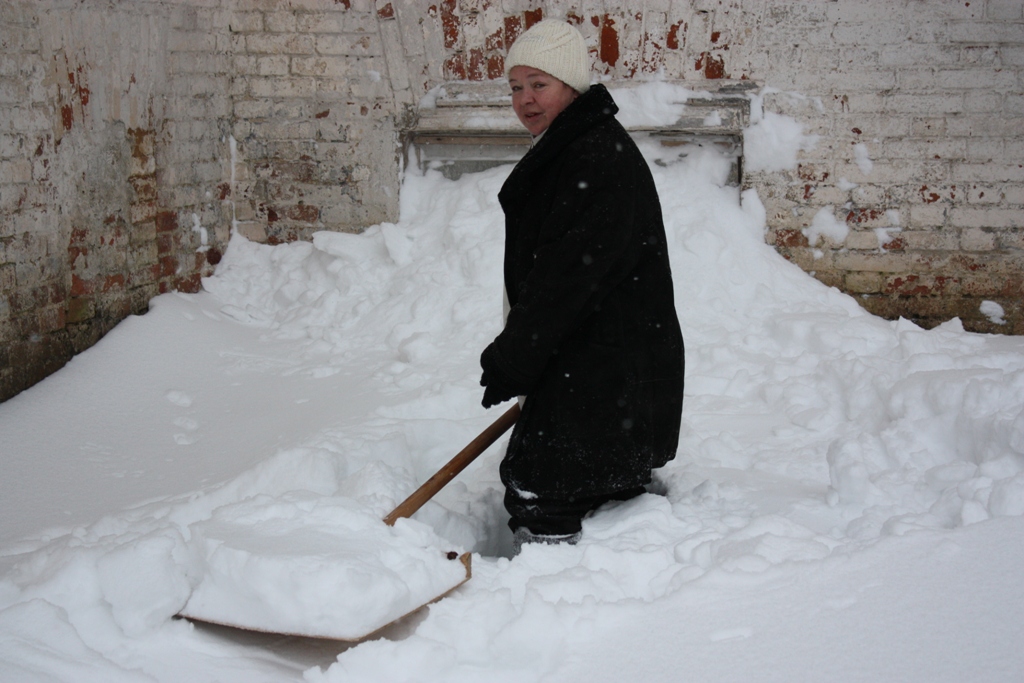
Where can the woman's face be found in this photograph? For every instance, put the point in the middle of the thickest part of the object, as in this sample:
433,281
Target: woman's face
538,97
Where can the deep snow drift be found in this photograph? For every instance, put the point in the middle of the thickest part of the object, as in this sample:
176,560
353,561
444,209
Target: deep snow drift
847,503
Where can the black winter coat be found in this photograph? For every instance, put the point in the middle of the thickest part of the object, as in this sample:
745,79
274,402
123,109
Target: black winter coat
592,337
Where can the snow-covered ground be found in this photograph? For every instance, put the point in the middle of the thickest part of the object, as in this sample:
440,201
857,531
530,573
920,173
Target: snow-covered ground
847,503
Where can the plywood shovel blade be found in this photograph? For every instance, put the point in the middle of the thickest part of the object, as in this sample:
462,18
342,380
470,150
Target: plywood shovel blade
345,583
197,613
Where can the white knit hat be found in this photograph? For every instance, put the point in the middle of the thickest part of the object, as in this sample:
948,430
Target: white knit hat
555,47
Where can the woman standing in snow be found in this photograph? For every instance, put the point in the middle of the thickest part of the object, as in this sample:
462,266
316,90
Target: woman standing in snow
591,339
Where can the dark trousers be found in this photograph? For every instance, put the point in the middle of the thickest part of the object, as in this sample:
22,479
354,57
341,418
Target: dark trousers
549,516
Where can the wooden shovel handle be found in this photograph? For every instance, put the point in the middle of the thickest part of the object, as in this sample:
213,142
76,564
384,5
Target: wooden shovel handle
444,475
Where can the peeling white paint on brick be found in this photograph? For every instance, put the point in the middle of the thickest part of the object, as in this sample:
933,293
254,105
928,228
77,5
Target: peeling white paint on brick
916,105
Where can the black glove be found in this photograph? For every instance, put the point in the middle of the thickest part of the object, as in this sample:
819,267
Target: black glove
497,387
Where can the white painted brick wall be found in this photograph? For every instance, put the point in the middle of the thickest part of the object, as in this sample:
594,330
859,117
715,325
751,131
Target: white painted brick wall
318,92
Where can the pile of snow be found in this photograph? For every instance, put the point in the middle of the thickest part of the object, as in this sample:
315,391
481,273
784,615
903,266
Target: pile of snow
847,501
773,141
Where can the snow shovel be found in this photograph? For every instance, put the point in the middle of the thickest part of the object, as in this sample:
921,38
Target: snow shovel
410,505
344,585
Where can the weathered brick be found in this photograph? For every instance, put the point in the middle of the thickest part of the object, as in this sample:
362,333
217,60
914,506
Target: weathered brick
273,65
12,146
925,78
931,148
981,125
15,171
929,215
80,309
972,172
142,232
974,217
290,44
985,194
21,41
990,149
252,109
862,102
979,55
13,90
245,22
282,87
798,34
862,282
1013,194
1011,55
11,198
821,193
985,285
927,311
25,120
279,22
8,279
870,32
322,22
984,33
887,262
914,285
862,241
991,103
974,239
349,44
324,67
925,103
294,130
1011,240
875,125
905,54
856,77
238,86
782,13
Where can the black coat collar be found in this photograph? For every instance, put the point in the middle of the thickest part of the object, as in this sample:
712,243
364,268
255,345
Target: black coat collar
586,111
